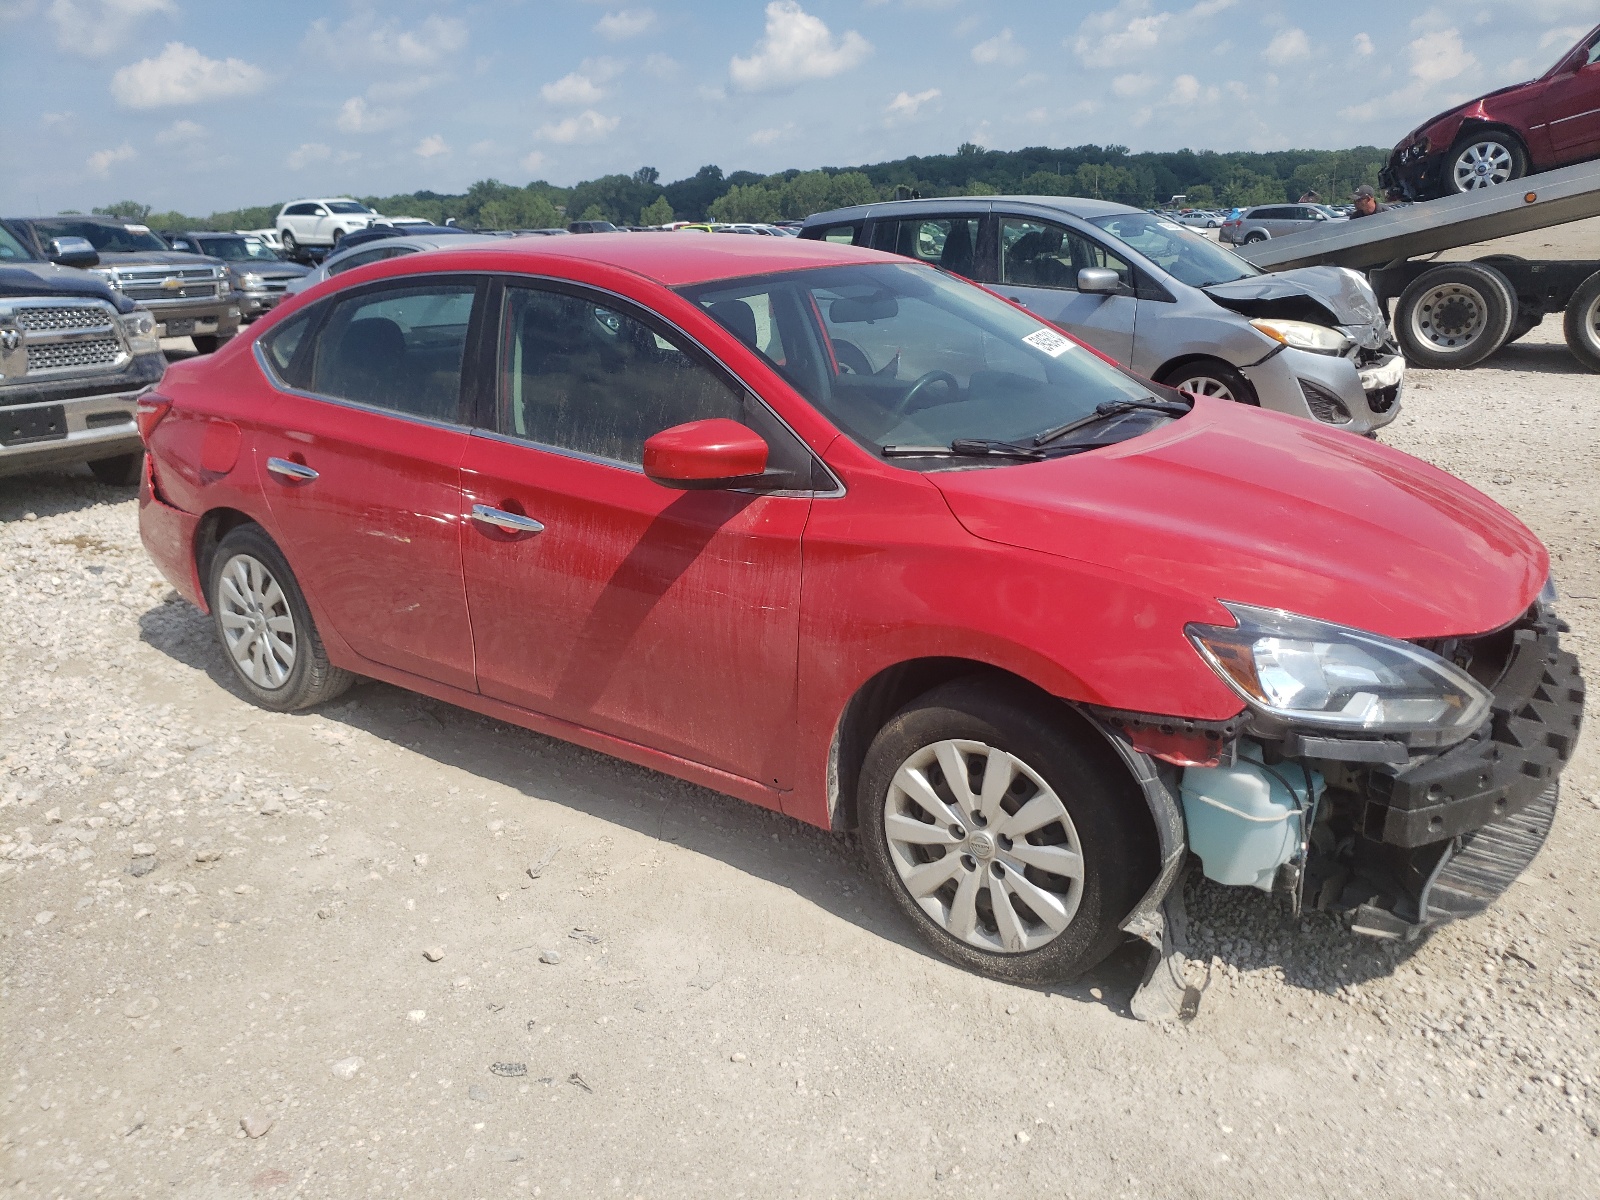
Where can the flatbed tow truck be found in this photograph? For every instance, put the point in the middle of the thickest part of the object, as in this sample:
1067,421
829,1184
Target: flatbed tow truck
1456,314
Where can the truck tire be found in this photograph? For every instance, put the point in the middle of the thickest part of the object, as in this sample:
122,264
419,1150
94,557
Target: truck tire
1582,322
1484,160
1454,315
122,471
1528,319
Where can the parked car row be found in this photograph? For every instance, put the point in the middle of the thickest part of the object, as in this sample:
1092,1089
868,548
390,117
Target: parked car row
822,525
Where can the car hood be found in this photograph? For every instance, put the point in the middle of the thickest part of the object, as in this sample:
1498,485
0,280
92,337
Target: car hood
1305,294
161,258
1229,503
19,281
272,270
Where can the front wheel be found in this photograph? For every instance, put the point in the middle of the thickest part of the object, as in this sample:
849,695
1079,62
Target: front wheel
266,628
290,246
1582,322
1484,161
1211,377
123,470
1008,838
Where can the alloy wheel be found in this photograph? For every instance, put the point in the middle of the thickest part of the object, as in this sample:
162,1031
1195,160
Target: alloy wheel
1205,385
1450,317
257,623
984,846
1481,165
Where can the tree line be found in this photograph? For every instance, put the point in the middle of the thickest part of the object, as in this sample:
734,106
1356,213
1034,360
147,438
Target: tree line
1208,179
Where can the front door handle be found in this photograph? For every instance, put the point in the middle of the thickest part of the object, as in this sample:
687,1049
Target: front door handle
506,522
1018,301
291,471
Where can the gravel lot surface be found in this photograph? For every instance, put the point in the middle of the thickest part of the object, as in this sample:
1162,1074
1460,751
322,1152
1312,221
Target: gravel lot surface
392,948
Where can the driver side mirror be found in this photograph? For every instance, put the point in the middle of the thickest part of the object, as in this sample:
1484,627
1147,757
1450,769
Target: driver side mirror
703,455
73,252
1099,281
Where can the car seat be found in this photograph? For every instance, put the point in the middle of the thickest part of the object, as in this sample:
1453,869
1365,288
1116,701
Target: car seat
368,364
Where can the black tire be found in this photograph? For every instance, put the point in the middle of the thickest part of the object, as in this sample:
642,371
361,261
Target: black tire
206,343
1582,323
309,678
1255,235
1492,146
125,470
1104,813
1454,316
290,246
1212,377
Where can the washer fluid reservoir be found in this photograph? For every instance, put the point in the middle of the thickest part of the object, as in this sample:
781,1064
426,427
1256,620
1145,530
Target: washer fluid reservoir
1247,820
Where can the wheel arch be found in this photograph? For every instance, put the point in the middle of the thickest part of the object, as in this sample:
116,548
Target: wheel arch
215,525
1186,359
1471,127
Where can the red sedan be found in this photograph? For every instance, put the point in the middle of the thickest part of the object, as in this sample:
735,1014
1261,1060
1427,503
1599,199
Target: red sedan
1548,122
855,539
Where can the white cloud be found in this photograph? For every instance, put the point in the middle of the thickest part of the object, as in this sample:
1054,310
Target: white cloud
661,66
1439,56
797,47
587,126
403,89
572,89
432,146
628,23
363,38
97,27
307,153
56,118
1363,44
765,137
101,161
1565,36
1132,85
182,75
999,50
1125,35
906,105
180,132
356,117
1290,45
532,161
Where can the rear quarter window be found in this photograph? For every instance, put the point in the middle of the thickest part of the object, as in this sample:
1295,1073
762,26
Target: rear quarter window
844,235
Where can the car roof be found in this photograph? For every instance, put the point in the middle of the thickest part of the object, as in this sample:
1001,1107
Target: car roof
673,259
419,241
1074,206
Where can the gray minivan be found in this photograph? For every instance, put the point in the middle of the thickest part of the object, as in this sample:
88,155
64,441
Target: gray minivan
1159,298
1272,220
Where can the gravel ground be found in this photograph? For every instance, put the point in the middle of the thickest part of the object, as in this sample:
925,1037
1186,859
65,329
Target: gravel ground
394,948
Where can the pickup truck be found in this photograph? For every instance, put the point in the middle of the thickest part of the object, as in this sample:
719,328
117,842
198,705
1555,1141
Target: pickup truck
74,357
189,295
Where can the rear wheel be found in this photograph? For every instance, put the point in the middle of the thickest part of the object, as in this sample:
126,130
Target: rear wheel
1211,377
1255,235
1009,842
266,628
1484,161
1582,322
122,471
1455,316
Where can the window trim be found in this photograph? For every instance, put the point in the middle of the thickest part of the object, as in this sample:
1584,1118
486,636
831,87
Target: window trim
471,366
487,407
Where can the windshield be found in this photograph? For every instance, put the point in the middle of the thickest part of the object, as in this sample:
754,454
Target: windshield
347,206
104,237
237,249
10,249
903,355
1187,257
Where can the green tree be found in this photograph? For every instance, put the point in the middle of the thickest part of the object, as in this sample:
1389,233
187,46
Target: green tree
594,213
851,187
128,210
657,212
749,203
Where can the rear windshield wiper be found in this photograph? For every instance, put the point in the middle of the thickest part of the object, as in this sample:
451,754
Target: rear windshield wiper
979,448
1112,408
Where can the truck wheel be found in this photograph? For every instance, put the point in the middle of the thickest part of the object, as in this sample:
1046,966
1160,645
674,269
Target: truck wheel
124,470
1011,844
265,627
1528,319
1454,316
1483,161
1582,322
1211,377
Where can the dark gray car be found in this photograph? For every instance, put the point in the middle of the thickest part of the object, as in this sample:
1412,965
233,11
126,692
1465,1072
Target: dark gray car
1272,220
1159,298
259,276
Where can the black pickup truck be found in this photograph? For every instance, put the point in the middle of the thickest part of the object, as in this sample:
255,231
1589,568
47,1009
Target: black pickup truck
74,357
190,295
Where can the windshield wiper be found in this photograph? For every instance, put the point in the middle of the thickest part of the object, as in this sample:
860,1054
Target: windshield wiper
968,448
1111,408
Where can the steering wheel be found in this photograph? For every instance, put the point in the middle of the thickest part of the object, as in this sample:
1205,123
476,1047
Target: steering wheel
932,377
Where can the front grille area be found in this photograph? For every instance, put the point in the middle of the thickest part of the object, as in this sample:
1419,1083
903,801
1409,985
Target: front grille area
57,320
156,292
149,283
1324,405
90,352
1381,400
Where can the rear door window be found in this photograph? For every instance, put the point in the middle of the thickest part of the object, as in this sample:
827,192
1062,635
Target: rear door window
844,235
398,348
948,242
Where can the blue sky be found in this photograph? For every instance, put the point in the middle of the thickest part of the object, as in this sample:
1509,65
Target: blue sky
201,106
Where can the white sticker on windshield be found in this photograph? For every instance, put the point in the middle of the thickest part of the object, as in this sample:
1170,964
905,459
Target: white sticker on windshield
137,228
1050,342
1170,225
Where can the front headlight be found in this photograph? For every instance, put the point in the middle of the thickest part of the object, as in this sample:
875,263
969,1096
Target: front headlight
140,330
1308,672
1303,335
251,283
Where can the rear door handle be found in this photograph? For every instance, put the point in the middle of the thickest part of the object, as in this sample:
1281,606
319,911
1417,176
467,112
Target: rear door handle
293,471
506,522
